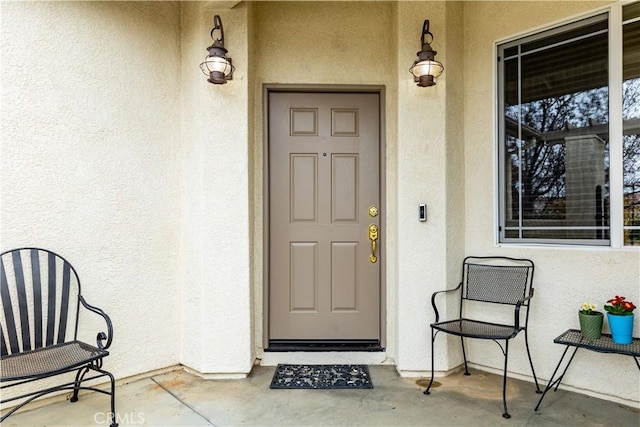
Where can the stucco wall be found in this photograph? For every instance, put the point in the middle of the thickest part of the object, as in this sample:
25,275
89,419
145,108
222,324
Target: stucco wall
564,277
216,294
428,172
88,168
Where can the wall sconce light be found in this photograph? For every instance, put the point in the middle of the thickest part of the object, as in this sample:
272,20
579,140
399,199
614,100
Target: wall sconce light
216,65
426,68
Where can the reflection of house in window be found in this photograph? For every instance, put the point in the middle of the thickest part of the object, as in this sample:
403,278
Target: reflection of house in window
575,176
576,182
584,185
632,216
569,187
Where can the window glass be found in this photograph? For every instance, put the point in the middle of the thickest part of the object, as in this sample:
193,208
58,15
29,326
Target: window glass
631,124
555,136
631,11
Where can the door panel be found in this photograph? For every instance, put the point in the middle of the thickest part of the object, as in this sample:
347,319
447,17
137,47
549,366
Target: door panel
323,177
344,187
344,276
302,273
303,187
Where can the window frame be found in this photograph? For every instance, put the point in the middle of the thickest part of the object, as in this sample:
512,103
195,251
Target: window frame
616,230
619,71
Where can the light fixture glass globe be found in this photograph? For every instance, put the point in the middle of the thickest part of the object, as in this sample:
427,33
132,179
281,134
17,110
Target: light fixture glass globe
217,64
427,68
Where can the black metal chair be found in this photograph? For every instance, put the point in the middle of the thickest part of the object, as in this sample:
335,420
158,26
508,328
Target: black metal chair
496,280
41,304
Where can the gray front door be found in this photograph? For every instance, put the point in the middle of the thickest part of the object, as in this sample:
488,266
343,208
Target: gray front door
324,176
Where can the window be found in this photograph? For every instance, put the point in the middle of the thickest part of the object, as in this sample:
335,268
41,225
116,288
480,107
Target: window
557,167
631,122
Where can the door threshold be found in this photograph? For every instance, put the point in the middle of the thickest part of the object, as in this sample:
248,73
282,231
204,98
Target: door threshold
324,345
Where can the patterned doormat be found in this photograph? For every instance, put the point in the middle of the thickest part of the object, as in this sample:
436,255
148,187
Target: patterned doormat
321,377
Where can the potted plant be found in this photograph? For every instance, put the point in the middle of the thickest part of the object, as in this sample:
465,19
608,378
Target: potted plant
590,321
620,317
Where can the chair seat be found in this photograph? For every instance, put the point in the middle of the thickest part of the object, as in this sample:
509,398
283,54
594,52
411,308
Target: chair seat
475,329
48,360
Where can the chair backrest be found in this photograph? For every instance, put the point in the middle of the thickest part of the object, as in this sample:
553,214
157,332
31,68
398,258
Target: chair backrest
499,280
40,300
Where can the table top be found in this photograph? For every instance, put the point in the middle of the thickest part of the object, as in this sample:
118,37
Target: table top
604,344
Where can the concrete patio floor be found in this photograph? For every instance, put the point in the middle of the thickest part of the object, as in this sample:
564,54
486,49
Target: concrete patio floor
178,398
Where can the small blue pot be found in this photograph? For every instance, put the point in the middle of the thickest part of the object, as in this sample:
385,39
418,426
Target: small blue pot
621,328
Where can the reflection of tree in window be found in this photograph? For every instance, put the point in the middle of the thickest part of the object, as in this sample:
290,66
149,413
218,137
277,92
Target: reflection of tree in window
543,159
556,133
554,88
546,120
631,130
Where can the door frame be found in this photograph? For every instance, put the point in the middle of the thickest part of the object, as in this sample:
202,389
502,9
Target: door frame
322,88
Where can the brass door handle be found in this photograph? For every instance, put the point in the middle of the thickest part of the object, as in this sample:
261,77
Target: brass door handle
373,236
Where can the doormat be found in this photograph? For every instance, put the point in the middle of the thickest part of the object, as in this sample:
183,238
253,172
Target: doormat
321,377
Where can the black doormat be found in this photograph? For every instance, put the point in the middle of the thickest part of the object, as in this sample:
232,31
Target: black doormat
321,377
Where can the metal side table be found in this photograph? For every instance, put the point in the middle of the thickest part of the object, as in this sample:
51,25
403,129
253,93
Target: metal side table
573,338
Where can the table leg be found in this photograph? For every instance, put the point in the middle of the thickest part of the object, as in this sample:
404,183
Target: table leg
557,381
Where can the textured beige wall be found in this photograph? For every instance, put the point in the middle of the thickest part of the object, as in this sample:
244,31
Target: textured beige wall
215,279
454,167
421,178
88,158
323,42
565,277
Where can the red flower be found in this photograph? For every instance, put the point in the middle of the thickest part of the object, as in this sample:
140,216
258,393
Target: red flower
617,300
620,306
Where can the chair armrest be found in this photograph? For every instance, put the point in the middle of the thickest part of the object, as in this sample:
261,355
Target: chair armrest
433,299
516,321
101,335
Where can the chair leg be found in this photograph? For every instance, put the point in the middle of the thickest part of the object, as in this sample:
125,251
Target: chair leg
432,367
535,378
504,380
113,400
464,356
76,387
112,415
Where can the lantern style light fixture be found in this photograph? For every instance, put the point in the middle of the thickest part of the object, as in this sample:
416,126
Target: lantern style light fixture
216,65
426,68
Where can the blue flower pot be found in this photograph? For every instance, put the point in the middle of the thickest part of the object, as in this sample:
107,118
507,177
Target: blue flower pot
621,328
